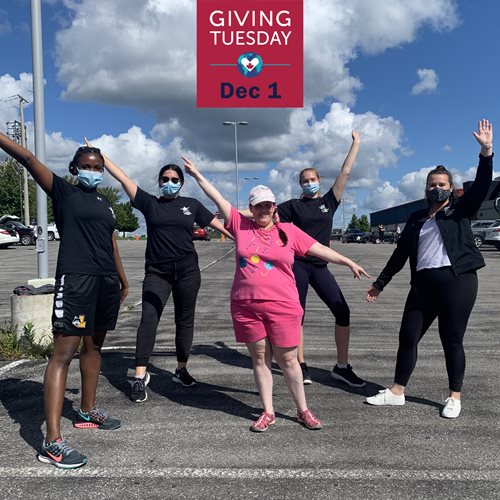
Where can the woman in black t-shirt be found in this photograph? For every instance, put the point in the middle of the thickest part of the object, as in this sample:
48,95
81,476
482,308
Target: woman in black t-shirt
90,285
171,267
313,214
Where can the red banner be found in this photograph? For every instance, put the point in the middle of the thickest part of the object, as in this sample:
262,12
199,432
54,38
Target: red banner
250,54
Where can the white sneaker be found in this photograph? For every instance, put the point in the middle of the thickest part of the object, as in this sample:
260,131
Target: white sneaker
451,408
386,398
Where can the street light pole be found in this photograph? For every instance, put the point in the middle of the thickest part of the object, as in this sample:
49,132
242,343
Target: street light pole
251,179
235,125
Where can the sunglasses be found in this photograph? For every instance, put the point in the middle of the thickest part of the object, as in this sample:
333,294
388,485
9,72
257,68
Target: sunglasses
87,149
174,180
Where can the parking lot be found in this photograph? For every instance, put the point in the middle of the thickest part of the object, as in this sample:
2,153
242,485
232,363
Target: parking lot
195,442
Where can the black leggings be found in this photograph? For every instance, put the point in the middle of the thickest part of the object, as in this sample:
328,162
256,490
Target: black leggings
325,285
184,285
437,293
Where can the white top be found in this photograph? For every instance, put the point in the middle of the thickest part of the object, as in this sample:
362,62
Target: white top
431,251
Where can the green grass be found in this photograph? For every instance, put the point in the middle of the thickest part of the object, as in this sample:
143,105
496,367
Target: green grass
24,347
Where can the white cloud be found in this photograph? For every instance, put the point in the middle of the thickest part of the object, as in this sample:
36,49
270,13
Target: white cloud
5,27
428,82
447,148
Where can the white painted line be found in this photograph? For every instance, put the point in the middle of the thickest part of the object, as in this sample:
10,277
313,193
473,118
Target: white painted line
12,365
253,474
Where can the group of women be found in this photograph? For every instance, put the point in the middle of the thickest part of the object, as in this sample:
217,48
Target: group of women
280,251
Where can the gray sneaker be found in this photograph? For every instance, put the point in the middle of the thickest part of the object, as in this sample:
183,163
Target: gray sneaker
60,454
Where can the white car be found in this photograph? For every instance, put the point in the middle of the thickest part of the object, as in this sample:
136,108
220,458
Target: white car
52,232
7,239
492,234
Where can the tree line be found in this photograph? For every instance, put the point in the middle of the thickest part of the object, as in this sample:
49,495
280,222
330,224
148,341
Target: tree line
11,197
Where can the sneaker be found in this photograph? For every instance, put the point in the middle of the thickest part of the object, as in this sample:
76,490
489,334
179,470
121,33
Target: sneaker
96,419
181,376
263,422
139,394
451,408
348,376
307,418
386,398
305,374
60,454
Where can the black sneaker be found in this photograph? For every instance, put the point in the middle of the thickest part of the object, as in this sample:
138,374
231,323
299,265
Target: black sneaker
305,374
96,419
181,376
60,454
139,394
348,376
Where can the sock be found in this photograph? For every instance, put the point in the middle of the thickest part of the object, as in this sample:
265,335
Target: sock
341,366
140,376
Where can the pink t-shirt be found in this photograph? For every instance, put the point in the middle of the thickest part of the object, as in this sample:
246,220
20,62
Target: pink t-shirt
263,264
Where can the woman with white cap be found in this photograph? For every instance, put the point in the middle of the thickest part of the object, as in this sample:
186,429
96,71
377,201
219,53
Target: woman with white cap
265,304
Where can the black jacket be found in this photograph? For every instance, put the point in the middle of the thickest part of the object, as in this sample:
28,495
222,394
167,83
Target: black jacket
453,223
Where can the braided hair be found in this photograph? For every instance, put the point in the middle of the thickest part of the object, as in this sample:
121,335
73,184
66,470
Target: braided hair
73,164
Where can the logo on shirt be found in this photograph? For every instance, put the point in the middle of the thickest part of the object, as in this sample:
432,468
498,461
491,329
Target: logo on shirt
99,198
79,321
112,213
185,210
324,208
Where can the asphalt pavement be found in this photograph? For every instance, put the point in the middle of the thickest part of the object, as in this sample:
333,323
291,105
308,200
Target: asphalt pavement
195,443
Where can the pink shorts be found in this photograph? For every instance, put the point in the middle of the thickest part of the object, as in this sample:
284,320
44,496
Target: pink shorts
279,321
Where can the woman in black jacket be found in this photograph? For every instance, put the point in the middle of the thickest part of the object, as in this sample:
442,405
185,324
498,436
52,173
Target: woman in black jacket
443,262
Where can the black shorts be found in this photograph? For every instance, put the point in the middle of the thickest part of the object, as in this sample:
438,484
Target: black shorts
85,303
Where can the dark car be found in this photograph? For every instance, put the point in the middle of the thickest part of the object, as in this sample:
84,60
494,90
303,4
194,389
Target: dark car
26,234
200,233
389,237
355,236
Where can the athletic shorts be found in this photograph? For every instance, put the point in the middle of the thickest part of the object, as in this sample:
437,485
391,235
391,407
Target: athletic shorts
85,303
279,321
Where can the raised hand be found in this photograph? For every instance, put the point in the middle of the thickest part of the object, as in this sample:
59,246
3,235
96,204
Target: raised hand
355,136
190,168
484,134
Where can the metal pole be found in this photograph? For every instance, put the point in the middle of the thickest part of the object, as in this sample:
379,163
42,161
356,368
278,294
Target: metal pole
26,200
41,197
236,162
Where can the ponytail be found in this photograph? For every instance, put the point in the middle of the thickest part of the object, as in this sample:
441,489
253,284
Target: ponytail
281,233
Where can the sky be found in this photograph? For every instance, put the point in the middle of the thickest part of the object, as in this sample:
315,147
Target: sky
412,76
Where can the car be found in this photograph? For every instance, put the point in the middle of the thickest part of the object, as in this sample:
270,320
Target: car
26,234
8,237
355,236
200,233
492,234
336,235
479,229
389,237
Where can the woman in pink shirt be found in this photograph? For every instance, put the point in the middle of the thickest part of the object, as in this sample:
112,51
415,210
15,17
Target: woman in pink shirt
265,304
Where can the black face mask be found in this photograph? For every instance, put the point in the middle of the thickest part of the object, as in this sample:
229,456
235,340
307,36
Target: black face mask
438,195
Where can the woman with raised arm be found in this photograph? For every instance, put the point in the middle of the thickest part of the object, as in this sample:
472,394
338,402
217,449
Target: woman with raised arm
171,267
90,285
313,213
265,304
439,243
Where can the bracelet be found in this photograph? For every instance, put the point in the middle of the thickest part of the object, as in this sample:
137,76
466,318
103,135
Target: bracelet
487,146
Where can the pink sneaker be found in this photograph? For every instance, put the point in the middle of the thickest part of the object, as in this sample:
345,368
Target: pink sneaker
263,422
307,418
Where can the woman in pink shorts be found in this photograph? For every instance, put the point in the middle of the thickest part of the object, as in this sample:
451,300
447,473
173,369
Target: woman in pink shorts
265,304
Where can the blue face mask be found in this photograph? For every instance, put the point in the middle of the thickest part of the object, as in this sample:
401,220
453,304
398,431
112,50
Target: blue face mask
89,178
170,189
310,189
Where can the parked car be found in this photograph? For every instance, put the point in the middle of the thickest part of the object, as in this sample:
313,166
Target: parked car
8,237
479,229
389,237
355,236
492,234
336,235
200,233
26,234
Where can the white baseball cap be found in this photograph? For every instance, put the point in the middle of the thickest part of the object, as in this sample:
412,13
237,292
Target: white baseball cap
260,193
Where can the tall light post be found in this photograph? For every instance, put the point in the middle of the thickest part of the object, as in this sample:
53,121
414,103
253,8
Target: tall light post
251,179
235,125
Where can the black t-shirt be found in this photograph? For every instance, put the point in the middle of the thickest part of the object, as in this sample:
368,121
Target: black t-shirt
86,222
314,216
170,226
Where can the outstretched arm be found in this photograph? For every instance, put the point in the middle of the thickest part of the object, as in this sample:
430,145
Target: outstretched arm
222,204
341,180
217,224
129,186
42,175
326,253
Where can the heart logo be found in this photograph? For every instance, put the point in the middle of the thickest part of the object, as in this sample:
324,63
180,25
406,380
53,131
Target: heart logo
250,65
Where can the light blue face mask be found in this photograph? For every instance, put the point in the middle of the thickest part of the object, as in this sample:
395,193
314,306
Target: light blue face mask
89,178
310,189
170,189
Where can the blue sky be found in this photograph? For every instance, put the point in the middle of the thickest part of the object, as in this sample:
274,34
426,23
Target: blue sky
122,72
